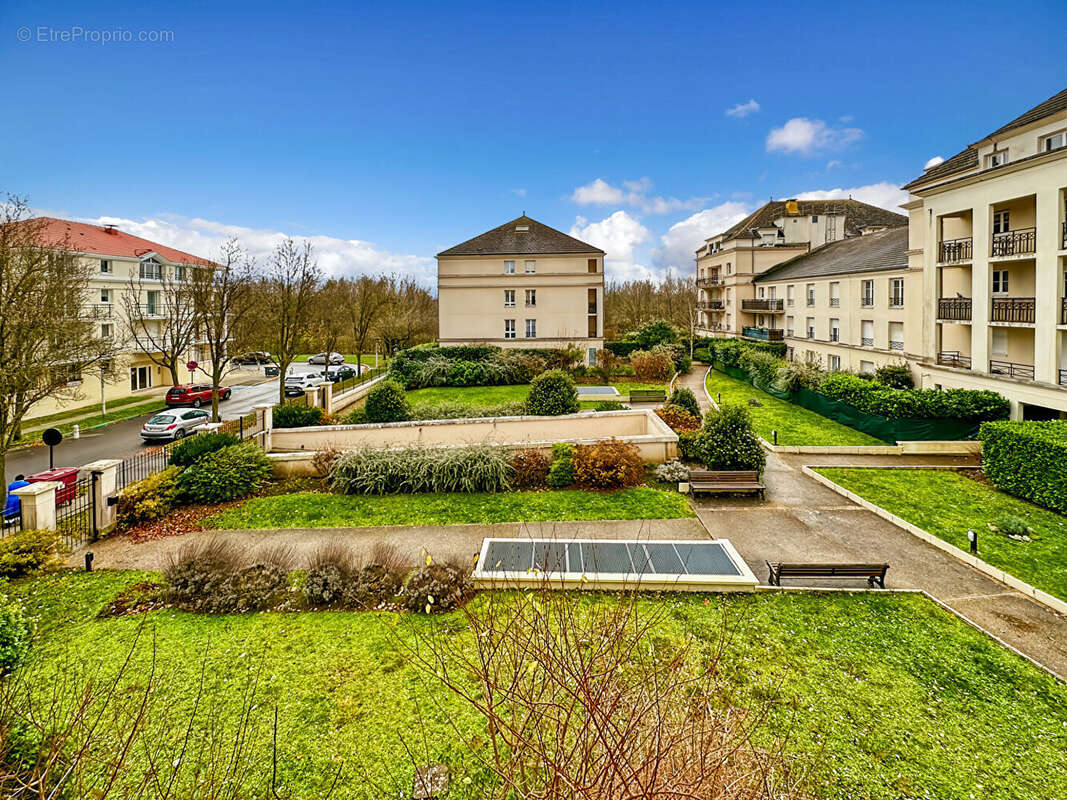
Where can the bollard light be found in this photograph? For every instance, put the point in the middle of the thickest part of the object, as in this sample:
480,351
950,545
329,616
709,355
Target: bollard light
774,434
89,561
972,537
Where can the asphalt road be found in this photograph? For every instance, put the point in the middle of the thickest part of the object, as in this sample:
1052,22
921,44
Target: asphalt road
122,439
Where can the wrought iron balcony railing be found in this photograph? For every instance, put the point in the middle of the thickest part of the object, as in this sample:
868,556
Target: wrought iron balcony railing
1012,309
954,308
1012,369
954,358
1014,243
952,251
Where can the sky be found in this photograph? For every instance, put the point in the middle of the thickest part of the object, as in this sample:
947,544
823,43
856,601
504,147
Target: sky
386,132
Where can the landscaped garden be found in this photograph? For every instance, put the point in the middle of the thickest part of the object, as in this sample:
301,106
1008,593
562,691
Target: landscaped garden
1018,537
869,695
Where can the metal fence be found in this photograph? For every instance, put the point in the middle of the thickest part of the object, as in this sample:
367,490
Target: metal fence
357,380
246,427
76,511
138,467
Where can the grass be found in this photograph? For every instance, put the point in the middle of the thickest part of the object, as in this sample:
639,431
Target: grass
369,360
319,510
476,396
795,425
948,504
895,697
123,412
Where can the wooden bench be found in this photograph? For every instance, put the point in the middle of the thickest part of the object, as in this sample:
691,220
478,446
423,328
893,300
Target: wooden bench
648,396
874,573
738,481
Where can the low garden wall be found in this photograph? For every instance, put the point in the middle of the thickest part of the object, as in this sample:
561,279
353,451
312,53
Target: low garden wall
292,449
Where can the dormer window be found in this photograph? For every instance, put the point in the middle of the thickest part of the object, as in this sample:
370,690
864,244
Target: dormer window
151,269
522,228
996,159
1054,142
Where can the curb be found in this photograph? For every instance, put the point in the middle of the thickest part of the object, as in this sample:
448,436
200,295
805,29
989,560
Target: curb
1009,580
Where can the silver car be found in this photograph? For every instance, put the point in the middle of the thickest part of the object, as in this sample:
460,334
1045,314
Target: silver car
174,424
320,358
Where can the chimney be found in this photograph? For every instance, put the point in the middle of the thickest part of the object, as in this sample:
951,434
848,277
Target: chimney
110,228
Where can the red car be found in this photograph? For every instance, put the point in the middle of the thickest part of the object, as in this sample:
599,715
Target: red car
195,395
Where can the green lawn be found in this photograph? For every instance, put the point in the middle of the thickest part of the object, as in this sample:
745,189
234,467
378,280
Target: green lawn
889,696
370,360
795,425
320,510
947,505
117,412
494,395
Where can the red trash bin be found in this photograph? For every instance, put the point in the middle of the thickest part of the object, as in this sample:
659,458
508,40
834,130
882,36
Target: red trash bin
68,476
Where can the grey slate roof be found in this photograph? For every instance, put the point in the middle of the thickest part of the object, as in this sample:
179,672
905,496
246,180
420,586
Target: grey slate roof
506,240
968,159
857,215
887,250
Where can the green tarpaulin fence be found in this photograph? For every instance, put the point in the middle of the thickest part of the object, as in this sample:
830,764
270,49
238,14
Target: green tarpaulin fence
888,430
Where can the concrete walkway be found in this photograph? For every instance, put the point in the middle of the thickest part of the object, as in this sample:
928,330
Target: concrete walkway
801,520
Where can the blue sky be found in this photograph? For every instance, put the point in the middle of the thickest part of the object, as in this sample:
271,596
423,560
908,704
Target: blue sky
390,131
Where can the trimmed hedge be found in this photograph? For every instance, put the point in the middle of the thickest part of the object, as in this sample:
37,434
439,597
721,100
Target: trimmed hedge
622,349
293,416
189,450
871,398
1028,460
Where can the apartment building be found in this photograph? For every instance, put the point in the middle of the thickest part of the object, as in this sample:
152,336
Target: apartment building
729,262
988,234
522,284
852,304
112,258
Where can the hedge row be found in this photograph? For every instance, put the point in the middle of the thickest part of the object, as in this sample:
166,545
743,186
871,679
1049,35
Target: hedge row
1028,460
872,398
622,349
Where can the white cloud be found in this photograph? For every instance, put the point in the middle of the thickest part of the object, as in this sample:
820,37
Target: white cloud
618,236
933,162
743,109
680,242
519,192
336,256
632,193
833,163
810,136
883,194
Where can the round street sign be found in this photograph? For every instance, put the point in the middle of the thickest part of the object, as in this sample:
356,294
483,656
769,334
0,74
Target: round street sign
52,437
191,365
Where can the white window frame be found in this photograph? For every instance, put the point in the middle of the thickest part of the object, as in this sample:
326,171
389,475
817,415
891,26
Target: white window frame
531,329
509,267
896,300
106,330
1051,139
531,298
1002,221
1000,282
867,293
835,330
105,266
509,298
531,267
833,363
105,296
509,329
997,158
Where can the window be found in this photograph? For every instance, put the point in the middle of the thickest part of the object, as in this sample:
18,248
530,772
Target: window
509,267
811,294
1001,221
105,330
531,329
105,295
759,320
810,325
140,378
590,298
835,330
896,292
151,269
592,265
531,267
867,333
1000,281
868,293
179,273
531,298
1054,142
896,335
592,326
509,298
789,322
814,218
996,159
151,308
67,374
762,292
772,292
866,367
729,268
509,329
833,363
835,294
1000,341
105,266
790,295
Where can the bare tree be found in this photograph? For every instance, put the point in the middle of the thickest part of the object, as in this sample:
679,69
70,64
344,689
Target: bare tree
222,297
48,340
329,322
409,317
367,300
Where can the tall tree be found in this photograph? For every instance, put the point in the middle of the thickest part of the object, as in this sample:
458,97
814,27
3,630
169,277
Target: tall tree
409,316
222,296
48,341
367,300
329,323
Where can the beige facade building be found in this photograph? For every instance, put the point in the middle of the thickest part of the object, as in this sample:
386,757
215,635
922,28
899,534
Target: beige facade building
988,235
112,259
522,284
729,263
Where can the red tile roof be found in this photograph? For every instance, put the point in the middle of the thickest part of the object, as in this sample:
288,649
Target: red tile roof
82,237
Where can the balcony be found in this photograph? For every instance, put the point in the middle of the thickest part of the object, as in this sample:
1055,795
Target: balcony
1014,243
835,302
713,280
1012,309
867,341
1011,369
954,308
149,310
954,358
1063,377
898,346
764,334
1063,235
1063,311
710,305
954,251
762,305
835,335
99,311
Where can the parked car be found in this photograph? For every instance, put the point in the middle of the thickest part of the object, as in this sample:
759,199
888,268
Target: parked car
272,371
195,395
173,424
296,384
341,373
258,357
320,358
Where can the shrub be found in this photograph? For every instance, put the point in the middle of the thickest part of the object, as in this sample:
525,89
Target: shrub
189,450
728,351
387,403
372,586
257,587
895,376
529,469
965,404
324,586
149,499
1028,460
28,553
14,637
685,398
683,363
419,367
551,394
687,445
622,349
655,333
703,355
1012,526
607,365
608,405
198,571
474,468
322,461
727,441
435,588
451,409
610,464
227,474
561,473
762,367
800,374
294,416
672,472
678,418
653,365
357,416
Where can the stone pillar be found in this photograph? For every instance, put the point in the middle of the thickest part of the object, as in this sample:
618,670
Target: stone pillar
981,287
267,409
38,505
106,472
210,427
1047,278
312,396
327,397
